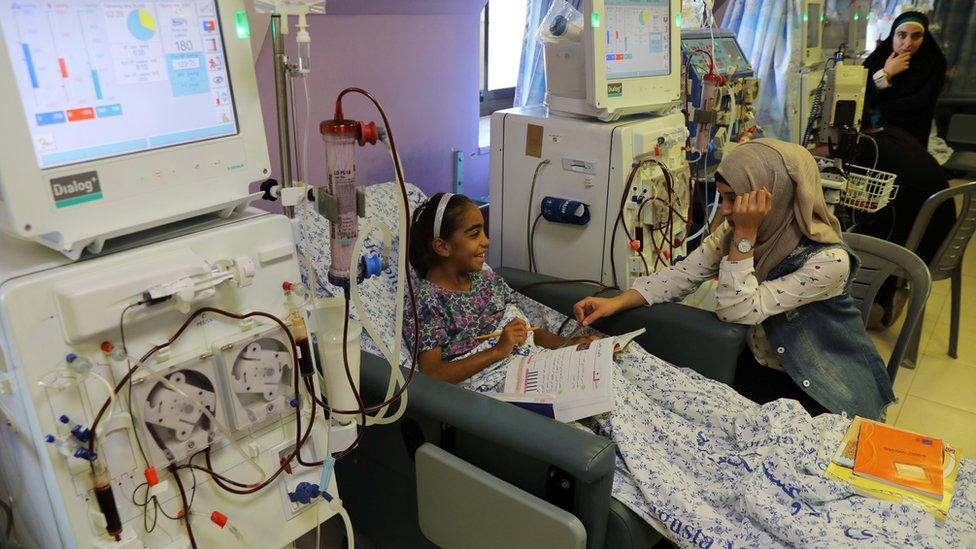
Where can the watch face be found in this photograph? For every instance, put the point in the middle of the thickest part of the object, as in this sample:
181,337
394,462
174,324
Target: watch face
744,246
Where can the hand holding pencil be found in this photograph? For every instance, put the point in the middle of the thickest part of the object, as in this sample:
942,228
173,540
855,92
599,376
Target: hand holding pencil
515,333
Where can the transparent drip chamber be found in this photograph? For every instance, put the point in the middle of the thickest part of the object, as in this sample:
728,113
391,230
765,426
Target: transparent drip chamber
340,164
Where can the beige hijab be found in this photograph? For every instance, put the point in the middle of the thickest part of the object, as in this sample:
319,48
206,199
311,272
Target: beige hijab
790,173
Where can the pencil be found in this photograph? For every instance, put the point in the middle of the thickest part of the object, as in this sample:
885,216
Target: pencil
496,334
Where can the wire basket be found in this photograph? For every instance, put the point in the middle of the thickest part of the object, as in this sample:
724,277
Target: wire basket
867,189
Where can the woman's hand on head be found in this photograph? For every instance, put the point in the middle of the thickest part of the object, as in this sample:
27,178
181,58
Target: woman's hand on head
896,63
750,209
591,309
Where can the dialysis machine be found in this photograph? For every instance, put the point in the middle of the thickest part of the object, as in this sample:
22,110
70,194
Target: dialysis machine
582,199
720,89
578,197
126,122
831,91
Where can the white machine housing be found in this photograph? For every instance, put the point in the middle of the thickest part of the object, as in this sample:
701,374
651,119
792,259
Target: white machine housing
51,493
843,99
811,25
589,162
576,75
857,26
141,190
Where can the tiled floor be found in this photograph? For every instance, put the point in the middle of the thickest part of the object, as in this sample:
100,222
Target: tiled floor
939,396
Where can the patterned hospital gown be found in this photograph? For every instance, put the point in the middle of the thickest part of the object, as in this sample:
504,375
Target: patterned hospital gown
453,320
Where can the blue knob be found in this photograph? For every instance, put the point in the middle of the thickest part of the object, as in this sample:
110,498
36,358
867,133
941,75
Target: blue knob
49,439
64,419
293,403
374,265
71,358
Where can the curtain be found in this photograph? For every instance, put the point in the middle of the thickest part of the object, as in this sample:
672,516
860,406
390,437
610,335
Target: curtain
769,34
531,87
951,24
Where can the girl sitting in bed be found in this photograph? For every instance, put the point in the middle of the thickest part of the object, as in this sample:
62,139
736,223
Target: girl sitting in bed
457,301
699,462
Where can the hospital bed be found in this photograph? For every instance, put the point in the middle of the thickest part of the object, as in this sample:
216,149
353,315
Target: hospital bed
493,475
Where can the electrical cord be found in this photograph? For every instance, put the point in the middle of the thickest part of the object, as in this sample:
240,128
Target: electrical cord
532,264
9,512
529,226
816,109
877,151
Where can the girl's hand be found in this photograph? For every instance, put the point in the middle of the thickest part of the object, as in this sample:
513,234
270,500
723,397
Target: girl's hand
590,309
576,341
749,211
513,334
896,63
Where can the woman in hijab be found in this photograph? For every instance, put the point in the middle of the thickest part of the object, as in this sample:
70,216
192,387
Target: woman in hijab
783,270
906,73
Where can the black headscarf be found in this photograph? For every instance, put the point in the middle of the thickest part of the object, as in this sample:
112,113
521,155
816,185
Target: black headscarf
909,103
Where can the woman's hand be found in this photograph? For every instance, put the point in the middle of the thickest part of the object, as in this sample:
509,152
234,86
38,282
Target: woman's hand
590,309
583,340
749,211
896,63
513,334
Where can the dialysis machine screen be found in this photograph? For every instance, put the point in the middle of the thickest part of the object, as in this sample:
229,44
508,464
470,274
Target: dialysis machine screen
638,34
101,79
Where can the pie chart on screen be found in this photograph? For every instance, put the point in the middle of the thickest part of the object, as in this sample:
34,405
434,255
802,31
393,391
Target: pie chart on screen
142,25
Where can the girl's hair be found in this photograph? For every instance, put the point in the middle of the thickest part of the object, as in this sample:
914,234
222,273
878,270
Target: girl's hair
422,254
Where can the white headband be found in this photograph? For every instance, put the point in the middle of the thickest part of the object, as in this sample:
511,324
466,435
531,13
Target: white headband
439,214
909,23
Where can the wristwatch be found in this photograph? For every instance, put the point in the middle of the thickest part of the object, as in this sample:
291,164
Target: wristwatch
744,246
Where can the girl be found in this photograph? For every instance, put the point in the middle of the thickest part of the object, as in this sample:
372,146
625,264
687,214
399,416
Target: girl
458,301
784,271
905,76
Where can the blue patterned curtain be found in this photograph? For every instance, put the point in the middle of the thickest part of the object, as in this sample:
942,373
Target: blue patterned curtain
531,87
769,34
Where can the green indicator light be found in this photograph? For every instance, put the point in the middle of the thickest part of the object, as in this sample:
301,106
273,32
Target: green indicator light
822,17
857,16
805,16
595,19
243,26
677,19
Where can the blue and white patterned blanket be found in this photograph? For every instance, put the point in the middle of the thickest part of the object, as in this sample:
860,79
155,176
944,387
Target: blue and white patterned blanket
702,464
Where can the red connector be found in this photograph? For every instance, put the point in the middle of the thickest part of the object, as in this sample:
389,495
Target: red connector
107,347
218,518
635,245
368,133
287,286
151,476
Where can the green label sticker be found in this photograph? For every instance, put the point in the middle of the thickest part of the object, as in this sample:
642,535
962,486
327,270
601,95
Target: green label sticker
615,89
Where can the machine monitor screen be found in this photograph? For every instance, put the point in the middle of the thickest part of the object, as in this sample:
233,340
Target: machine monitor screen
102,79
727,53
638,35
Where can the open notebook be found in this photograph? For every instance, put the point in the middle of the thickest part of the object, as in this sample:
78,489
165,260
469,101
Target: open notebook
566,384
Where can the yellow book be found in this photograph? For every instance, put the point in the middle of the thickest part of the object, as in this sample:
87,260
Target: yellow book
938,508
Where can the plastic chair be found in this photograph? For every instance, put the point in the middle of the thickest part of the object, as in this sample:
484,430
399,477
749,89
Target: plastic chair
879,260
947,262
962,135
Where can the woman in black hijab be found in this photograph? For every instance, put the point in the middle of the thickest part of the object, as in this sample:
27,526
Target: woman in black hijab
906,73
